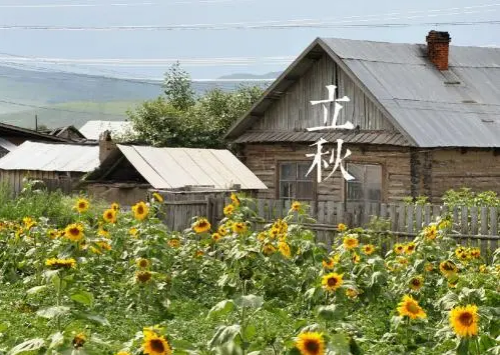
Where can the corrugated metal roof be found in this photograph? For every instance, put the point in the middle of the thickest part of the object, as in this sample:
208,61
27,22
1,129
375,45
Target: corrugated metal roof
455,108
372,137
5,144
168,168
92,129
51,157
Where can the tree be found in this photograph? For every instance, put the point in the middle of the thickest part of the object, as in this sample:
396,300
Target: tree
177,88
180,119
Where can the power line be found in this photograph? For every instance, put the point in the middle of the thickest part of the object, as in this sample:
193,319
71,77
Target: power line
57,109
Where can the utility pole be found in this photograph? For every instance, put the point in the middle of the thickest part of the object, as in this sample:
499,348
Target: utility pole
36,122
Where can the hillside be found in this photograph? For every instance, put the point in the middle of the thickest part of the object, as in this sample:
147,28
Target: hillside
60,98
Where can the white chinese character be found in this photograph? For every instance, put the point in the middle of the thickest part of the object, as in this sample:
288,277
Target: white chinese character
319,162
336,111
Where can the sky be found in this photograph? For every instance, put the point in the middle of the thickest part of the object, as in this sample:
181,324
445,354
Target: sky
212,38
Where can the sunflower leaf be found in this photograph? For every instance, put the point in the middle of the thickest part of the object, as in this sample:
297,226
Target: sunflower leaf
250,301
221,308
36,289
29,345
52,312
331,312
83,297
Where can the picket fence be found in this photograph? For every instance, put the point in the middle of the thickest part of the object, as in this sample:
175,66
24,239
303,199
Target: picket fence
472,226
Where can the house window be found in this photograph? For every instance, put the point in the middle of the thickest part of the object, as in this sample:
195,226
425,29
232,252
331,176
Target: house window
293,183
367,183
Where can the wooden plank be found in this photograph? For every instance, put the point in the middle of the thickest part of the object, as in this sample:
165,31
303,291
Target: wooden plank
340,212
456,221
366,214
418,218
473,220
287,206
436,212
409,219
484,220
261,204
383,210
330,212
493,227
427,215
464,220
321,212
401,217
393,216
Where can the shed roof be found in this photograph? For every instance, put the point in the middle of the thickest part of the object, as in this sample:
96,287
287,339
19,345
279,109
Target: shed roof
92,129
459,107
51,157
7,145
170,168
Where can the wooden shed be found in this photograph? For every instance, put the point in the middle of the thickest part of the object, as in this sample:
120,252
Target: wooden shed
426,119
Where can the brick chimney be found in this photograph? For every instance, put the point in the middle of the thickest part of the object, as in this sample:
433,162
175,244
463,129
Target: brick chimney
438,47
106,145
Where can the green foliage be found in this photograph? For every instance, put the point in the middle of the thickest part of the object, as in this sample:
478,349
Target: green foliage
467,197
180,119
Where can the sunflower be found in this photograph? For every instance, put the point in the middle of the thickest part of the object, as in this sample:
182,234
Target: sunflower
202,225
79,340
123,352
82,205
239,227
410,248
310,343
174,243
143,276
368,249
355,258
341,227
448,268
483,269
103,232
157,197
350,242
216,237
29,222
328,264
475,253
142,263
222,230
60,263
199,253
332,281
274,232
459,251
464,320
429,267
351,293
53,233
402,260
295,206
235,200
109,215
228,210
416,283
261,236
103,245
115,206
399,248
134,232
409,307
140,210
444,224
284,249
155,344
268,249
430,232
74,232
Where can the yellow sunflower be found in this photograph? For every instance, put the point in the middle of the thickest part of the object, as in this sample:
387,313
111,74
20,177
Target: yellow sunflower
475,253
341,227
216,237
143,276
310,343
332,281
82,205
355,258
60,263
284,249
202,225
465,320
295,206
410,248
448,268
430,232
350,242
429,267
123,352
222,230
74,232
235,200
328,264
29,222
155,344
142,263
399,248
459,251
174,243
109,215
351,293
115,206
140,210
368,249
416,283
157,197
103,245
134,232
268,249
239,227
228,210
483,269
409,307
444,224
103,232
79,340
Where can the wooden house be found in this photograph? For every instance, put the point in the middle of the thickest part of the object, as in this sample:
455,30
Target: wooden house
426,119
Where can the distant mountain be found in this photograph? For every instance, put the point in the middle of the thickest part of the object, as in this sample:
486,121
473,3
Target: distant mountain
61,98
271,75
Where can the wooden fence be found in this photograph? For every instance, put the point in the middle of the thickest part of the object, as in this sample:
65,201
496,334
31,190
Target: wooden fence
474,226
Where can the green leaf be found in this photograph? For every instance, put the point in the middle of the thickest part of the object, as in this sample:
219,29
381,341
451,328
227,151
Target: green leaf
83,297
250,301
94,317
29,345
3,327
56,340
463,347
36,289
331,312
378,278
249,332
180,344
221,308
52,312
339,343
224,334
